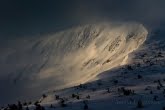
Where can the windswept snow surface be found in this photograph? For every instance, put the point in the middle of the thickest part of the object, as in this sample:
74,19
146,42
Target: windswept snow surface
64,59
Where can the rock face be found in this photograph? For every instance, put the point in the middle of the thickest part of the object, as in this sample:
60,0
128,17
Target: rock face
70,57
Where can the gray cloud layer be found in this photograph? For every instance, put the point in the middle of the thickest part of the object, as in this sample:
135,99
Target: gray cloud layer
30,17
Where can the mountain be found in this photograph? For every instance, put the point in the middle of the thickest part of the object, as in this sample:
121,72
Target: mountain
139,84
32,66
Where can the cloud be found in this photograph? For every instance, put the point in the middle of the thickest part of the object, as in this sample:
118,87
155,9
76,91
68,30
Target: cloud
27,18
146,11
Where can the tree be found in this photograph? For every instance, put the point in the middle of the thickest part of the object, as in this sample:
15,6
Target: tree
85,107
19,105
163,108
27,108
139,76
139,104
44,95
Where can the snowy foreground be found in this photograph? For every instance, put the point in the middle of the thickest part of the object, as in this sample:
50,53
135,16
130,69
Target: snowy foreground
144,77
143,81
139,84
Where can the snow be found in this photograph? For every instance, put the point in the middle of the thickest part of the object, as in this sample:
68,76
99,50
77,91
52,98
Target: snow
33,66
100,99
141,71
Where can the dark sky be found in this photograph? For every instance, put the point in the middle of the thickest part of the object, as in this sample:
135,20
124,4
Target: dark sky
20,18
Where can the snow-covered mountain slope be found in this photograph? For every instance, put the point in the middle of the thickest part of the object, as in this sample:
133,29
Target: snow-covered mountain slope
67,58
143,76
